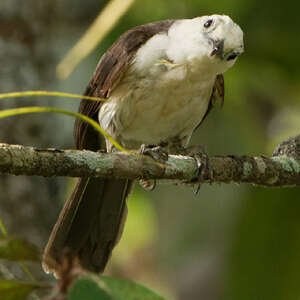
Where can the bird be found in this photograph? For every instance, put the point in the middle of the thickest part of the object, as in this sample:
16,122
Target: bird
160,80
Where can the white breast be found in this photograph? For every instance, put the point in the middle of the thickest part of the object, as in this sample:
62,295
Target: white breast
168,102
165,92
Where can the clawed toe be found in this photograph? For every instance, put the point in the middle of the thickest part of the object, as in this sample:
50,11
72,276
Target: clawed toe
197,152
156,152
148,185
203,164
159,155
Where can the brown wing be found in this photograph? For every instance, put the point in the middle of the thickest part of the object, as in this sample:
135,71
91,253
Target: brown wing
218,90
110,69
218,93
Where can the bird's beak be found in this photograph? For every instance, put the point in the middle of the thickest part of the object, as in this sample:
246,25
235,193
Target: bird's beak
218,47
218,50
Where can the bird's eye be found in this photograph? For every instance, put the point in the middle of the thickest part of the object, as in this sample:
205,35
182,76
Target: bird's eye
232,57
208,23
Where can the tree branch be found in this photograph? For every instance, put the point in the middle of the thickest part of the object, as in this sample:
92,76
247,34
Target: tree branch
282,169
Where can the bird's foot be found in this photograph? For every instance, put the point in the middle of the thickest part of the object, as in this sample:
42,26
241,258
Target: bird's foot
159,155
148,184
203,164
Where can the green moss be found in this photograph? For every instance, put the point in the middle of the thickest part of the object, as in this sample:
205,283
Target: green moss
92,159
289,164
295,165
247,169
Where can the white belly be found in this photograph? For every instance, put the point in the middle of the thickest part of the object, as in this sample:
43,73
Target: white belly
168,104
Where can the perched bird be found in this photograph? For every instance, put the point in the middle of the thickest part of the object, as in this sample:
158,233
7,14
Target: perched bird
160,81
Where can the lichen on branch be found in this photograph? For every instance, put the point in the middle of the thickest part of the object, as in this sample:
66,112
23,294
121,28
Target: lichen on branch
281,169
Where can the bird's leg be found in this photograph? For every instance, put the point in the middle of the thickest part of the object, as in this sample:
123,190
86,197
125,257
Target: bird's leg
159,154
203,164
202,160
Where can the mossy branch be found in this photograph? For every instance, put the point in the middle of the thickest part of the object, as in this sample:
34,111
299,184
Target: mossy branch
281,169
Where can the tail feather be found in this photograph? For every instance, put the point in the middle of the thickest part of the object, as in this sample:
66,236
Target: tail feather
90,224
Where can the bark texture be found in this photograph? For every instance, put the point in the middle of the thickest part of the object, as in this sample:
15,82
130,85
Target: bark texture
282,169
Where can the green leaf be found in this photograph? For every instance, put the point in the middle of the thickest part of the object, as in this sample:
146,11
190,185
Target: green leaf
16,290
16,249
91,287
125,289
39,109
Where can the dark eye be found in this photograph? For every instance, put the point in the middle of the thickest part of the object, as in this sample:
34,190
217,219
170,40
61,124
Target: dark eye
232,57
208,23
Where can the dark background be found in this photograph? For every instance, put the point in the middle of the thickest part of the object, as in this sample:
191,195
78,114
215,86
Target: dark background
229,241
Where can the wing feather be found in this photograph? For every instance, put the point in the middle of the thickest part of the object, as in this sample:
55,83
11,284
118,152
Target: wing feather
218,93
109,71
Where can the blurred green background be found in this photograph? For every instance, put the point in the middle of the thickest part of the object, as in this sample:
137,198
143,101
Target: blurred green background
228,242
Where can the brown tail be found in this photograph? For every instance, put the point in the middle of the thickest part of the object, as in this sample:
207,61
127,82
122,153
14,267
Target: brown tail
90,224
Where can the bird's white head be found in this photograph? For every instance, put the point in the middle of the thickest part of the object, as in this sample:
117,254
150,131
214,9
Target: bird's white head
206,41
